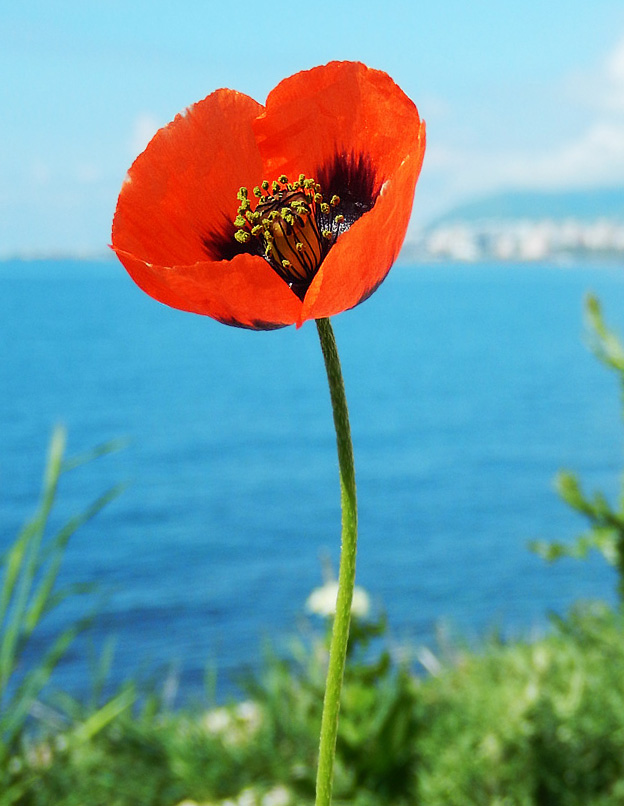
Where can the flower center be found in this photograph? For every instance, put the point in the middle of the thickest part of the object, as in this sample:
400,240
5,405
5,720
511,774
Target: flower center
292,227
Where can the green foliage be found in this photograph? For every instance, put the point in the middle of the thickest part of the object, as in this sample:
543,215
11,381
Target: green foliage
539,723
375,751
606,523
519,724
29,593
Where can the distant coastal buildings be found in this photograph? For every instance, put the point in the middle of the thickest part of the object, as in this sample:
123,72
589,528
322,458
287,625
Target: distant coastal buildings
528,225
520,240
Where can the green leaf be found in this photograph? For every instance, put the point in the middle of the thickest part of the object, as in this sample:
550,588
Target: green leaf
17,710
104,715
568,487
29,591
604,343
42,597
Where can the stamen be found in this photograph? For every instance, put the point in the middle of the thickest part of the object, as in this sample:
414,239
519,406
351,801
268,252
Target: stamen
292,227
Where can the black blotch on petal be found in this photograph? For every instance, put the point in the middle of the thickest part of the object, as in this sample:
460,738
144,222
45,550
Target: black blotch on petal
220,243
256,324
351,177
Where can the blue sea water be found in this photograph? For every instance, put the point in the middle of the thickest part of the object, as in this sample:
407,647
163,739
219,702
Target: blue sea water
469,387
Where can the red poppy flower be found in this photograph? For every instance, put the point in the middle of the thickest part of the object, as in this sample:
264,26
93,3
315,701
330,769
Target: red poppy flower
269,216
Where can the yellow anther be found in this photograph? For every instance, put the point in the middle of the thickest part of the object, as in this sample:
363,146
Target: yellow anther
285,221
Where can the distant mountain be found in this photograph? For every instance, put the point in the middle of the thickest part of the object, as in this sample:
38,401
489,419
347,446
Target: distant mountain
585,205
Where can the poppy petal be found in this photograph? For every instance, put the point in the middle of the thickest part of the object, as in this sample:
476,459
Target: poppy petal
347,112
244,292
340,108
361,258
185,182
175,213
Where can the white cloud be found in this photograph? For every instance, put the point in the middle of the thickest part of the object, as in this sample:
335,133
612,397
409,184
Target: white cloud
595,157
144,128
442,158
87,173
590,155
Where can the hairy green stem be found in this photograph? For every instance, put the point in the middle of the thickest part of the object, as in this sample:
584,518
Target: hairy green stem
346,575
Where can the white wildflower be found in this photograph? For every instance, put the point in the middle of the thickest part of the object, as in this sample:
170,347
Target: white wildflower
249,713
247,798
234,725
218,720
278,796
322,601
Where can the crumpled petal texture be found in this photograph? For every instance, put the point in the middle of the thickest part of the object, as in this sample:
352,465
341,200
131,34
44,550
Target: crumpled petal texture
173,228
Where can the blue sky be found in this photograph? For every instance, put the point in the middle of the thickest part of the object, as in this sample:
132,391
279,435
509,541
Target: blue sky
526,94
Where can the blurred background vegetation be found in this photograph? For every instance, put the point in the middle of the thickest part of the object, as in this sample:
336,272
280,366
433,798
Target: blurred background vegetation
512,722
